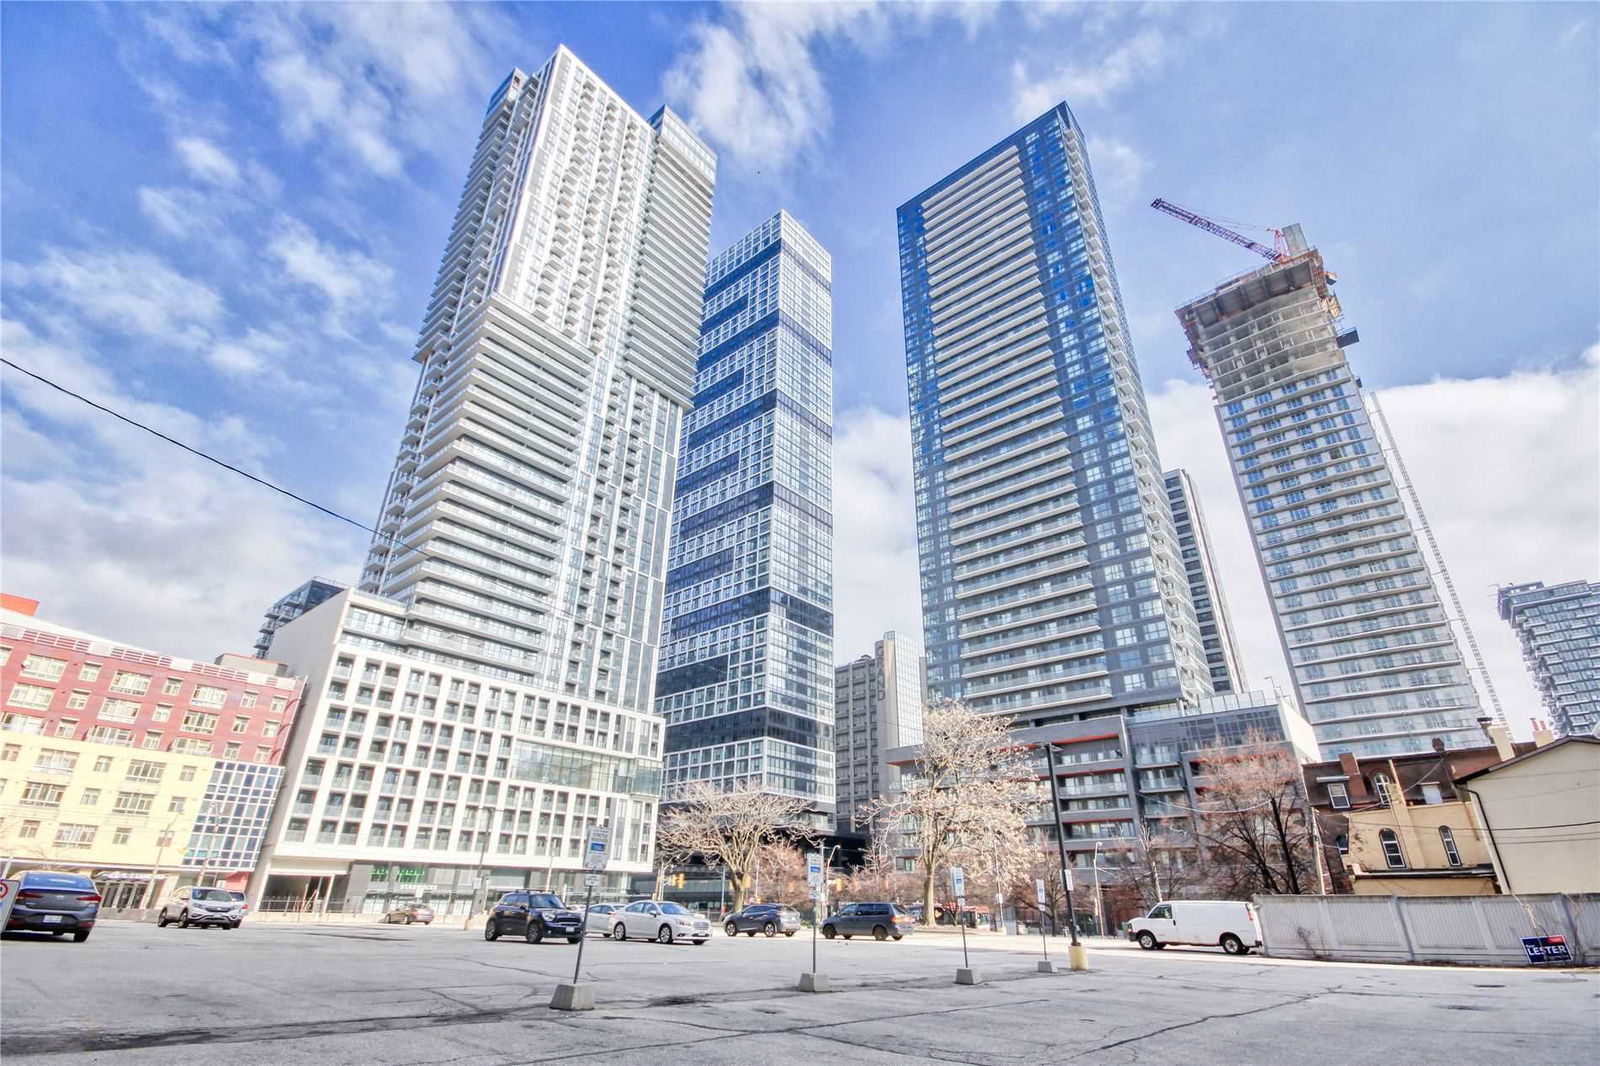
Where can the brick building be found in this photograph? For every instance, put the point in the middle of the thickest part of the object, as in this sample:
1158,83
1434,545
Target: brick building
136,768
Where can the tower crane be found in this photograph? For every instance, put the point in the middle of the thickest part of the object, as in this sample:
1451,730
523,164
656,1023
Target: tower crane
1277,254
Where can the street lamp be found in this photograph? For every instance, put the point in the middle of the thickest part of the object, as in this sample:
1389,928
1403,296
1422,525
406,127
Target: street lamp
1061,840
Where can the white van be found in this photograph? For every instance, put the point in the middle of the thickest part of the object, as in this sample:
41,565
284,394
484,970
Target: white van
1228,924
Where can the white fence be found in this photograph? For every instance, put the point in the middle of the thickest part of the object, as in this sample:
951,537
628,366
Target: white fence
1475,930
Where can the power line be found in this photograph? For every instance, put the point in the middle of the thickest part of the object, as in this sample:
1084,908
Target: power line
397,544
186,447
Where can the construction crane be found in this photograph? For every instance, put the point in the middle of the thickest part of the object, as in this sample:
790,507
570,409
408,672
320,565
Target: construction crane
1278,254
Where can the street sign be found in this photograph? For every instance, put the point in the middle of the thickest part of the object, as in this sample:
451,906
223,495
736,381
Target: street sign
1547,949
1066,879
814,870
591,880
594,853
8,896
1039,892
958,884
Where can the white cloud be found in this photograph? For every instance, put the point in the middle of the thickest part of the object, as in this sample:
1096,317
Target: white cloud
1089,83
375,83
206,161
1118,168
749,80
1508,470
875,585
122,534
351,284
127,292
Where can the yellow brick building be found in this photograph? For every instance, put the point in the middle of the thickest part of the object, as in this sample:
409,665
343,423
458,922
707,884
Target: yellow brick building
122,816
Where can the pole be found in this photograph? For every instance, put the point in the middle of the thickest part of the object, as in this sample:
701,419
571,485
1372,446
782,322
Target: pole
961,920
477,874
1044,941
1061,841
816,920
583,936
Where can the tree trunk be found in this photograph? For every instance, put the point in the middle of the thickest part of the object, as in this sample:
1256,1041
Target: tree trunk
928,880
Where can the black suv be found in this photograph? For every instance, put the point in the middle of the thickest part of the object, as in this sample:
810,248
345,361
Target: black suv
533,916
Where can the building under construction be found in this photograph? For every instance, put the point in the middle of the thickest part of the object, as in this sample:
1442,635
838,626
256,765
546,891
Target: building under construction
1375,663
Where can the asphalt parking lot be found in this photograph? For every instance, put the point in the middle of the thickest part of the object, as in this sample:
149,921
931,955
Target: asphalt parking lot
368,994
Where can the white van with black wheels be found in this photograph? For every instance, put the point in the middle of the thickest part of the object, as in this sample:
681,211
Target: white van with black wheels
1228,924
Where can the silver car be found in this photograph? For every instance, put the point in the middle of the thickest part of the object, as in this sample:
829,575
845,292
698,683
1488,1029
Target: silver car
660,920
201,906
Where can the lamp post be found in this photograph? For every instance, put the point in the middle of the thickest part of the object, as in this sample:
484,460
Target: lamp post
483,853
1077,955
155,871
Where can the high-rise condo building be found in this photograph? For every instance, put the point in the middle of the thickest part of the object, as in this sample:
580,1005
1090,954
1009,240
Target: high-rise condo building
1052,585
1559,626
291,606
747,634
1053,592
877,708
487,694
1375,664
1210,606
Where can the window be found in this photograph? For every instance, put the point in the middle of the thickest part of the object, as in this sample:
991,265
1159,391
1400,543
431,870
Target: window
1448,839
29,830
186,774
247,700
208,696
132,803
119,710
35,696
89,672
1382,786
106,734
1338,796
241,724
43,794
269,729
102,764
175,805
91,797
163,712
1432,793
131,683
10,752
121,836
1342,842
199,722
44,667
52,759
1391,849
145,770
74,836
78,700
172,686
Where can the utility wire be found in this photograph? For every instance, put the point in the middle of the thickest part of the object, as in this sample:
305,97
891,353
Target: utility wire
398,545
186,447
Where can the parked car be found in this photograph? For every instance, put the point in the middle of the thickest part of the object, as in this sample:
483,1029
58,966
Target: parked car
244,908
1228,924
661,921
409,913
198,905
883,921
54,903
598,918
768,919
533,916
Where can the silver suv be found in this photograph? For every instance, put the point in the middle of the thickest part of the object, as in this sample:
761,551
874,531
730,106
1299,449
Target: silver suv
196,905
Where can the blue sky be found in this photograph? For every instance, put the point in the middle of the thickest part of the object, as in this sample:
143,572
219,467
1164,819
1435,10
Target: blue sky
226,220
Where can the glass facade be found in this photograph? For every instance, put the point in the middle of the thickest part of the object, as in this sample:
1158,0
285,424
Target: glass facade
1559,627
747,631
1210,607
1375,664
1052,584
231,825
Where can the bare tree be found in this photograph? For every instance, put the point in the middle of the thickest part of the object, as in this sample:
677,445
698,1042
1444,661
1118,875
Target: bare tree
728,828
1254,825
880,876
780,874
967,795
1162,861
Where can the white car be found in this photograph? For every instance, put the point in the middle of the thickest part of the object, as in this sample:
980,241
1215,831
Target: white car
661,921
598,918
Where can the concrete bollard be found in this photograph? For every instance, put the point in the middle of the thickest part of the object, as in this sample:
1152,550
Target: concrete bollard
1078,957
1049,966
814,982
573,997
968,976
